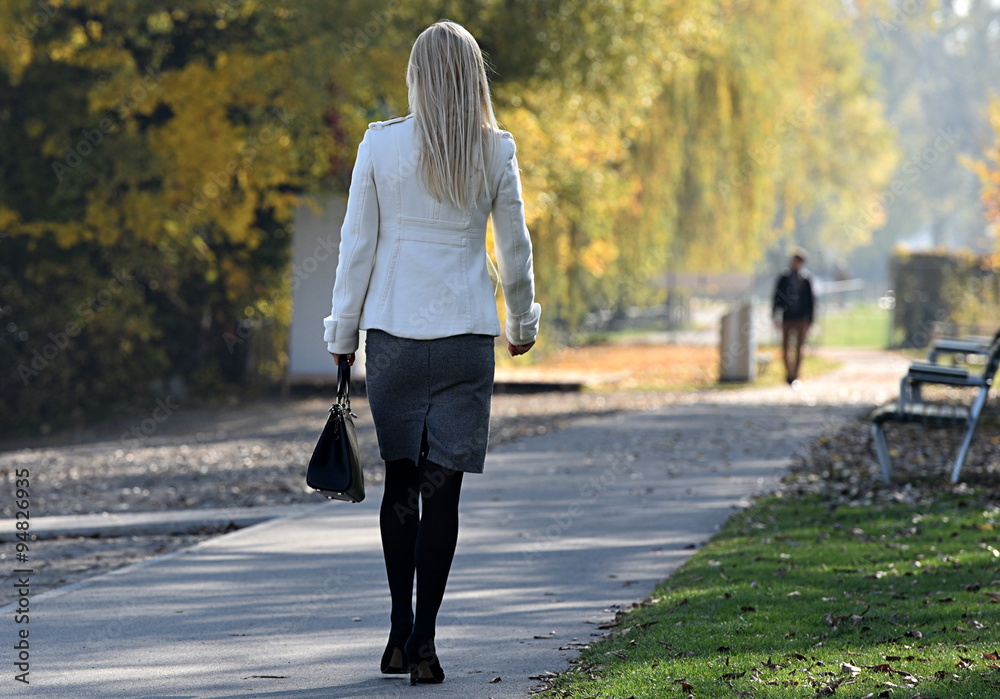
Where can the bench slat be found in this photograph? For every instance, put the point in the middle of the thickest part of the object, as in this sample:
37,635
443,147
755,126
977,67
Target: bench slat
931,414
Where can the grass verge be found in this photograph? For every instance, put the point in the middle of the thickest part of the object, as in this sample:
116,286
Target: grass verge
652,367
861,325
799,596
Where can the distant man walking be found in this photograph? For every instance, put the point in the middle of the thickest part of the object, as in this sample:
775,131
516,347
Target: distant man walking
793,297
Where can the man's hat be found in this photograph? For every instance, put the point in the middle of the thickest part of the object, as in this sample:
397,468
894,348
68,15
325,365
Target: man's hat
796,251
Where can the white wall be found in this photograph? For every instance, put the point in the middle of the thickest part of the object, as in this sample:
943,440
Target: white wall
314,265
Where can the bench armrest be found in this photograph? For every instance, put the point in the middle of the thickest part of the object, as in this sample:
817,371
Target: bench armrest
937,371
953,346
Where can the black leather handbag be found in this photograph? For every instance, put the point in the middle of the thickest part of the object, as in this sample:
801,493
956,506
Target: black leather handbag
335,467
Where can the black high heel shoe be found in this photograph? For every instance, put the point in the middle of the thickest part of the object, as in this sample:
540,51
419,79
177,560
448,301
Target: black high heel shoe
423,662
394,658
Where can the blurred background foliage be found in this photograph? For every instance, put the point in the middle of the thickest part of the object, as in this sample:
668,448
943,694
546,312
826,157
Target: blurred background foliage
153,154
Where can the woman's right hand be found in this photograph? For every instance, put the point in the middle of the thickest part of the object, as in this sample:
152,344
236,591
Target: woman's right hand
519,349
338,357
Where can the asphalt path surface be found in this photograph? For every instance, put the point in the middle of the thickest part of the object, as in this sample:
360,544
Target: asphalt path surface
563,530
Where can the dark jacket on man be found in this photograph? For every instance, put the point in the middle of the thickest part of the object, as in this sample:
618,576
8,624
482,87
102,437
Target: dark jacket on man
793,295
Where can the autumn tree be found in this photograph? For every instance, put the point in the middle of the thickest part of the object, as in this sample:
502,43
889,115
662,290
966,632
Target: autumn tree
154,156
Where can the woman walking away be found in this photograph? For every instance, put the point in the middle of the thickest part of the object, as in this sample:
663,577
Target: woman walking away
414,273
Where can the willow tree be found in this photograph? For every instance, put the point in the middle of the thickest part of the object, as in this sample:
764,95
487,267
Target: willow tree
766,128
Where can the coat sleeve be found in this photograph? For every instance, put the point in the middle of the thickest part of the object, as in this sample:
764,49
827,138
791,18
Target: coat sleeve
810,302
358,238
780,294
513,248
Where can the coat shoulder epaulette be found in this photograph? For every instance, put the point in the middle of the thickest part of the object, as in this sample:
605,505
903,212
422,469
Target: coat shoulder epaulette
378,125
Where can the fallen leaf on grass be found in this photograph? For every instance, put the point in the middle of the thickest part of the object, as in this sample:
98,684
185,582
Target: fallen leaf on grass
852,669
547,675
832,619
641,627
829,690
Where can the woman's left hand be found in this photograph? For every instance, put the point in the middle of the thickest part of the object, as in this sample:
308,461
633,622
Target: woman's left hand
337,358
516,350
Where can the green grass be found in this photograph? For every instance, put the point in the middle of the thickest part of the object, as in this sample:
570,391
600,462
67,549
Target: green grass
863,325
798,598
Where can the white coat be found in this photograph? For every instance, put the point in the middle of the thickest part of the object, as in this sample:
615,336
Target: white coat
416,267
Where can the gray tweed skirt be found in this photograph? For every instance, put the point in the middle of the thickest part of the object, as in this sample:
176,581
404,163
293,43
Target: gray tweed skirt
431,398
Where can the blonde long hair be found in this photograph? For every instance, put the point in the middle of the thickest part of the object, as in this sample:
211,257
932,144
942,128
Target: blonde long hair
450,100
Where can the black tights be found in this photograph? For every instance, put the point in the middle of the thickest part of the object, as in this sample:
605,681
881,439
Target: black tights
421,543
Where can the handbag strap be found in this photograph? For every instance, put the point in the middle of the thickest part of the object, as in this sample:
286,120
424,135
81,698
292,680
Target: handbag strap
344,383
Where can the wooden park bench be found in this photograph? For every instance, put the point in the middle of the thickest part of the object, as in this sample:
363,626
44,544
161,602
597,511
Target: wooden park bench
913,409
961,347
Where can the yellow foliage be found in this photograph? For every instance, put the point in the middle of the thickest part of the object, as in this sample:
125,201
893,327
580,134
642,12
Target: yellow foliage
692,133
598,256
989,172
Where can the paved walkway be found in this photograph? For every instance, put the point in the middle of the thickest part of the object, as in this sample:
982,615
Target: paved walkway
561,531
